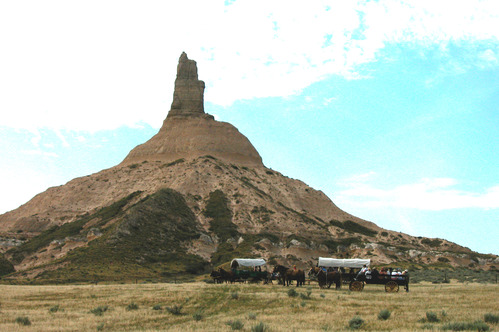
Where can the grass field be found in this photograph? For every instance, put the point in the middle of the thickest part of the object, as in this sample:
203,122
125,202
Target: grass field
256,307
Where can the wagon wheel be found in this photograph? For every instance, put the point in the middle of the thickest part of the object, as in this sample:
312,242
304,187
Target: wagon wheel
391,287
356,286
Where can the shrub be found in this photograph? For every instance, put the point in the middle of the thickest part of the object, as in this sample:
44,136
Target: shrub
384,314
252,316
55,308
175,310
466,326
23,321
260,327
132,306
432,317
234,296
235,324
292,292
491,318
305,296
355,323
323,295
197,316
100,327
427,326
99,310
157,307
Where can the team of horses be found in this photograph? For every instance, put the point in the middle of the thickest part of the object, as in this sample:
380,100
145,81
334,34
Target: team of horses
285,276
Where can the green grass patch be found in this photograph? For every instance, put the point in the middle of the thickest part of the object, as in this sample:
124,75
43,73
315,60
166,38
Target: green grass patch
466,326
148,242
353,227
217,208
71,229
6,266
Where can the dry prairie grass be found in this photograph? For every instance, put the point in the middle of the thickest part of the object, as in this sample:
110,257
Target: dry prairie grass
208,307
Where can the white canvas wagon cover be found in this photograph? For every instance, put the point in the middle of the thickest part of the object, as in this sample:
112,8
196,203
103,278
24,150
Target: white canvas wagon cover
249,261
349,263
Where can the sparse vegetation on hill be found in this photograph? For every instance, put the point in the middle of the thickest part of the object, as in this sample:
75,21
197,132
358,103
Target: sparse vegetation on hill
149,241
353,227
217,209
72,229
6,267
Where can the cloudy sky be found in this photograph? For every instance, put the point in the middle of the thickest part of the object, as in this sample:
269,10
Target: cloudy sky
389,107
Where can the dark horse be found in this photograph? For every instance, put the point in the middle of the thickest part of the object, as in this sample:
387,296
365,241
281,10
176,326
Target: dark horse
288,274
227,276
326,279
216,276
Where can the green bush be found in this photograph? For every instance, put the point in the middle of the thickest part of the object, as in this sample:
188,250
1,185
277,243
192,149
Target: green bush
99,310
252,316
235,324
384,314
175,310
260,327
23,321
132,306
55,308
292,292
157,307
306,296
432,317
197,316
234,295
355,323
491,318
431,243
466,326
427,326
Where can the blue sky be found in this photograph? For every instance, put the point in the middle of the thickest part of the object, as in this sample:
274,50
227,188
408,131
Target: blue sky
389,107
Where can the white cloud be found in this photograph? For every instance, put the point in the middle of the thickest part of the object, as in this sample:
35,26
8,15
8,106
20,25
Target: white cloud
427,194
100,65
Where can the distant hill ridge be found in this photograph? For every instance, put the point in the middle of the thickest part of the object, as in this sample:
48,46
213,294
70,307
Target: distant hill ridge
195,196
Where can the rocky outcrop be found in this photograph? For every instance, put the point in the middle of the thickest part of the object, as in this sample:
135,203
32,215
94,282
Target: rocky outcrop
189,91
188,132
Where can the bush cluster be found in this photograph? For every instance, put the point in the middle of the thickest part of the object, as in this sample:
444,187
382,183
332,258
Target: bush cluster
99,310
355,323
384,314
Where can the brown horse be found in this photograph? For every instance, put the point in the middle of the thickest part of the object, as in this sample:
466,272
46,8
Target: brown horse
216,276
326,279
227,276
288,274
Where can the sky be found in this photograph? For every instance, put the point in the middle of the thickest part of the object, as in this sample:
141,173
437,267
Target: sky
391,108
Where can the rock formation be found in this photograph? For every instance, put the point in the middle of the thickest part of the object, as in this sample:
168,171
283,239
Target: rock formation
188,132
189,91
196,194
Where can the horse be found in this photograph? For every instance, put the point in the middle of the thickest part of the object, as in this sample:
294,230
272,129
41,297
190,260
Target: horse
288,274
326,279
216,276
227,276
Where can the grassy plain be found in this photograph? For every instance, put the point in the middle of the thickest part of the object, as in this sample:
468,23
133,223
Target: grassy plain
210,307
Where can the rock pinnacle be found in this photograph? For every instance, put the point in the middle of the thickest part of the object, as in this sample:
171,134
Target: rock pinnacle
188,93
188,132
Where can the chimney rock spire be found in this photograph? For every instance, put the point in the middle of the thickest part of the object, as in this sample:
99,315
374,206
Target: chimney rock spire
188,93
